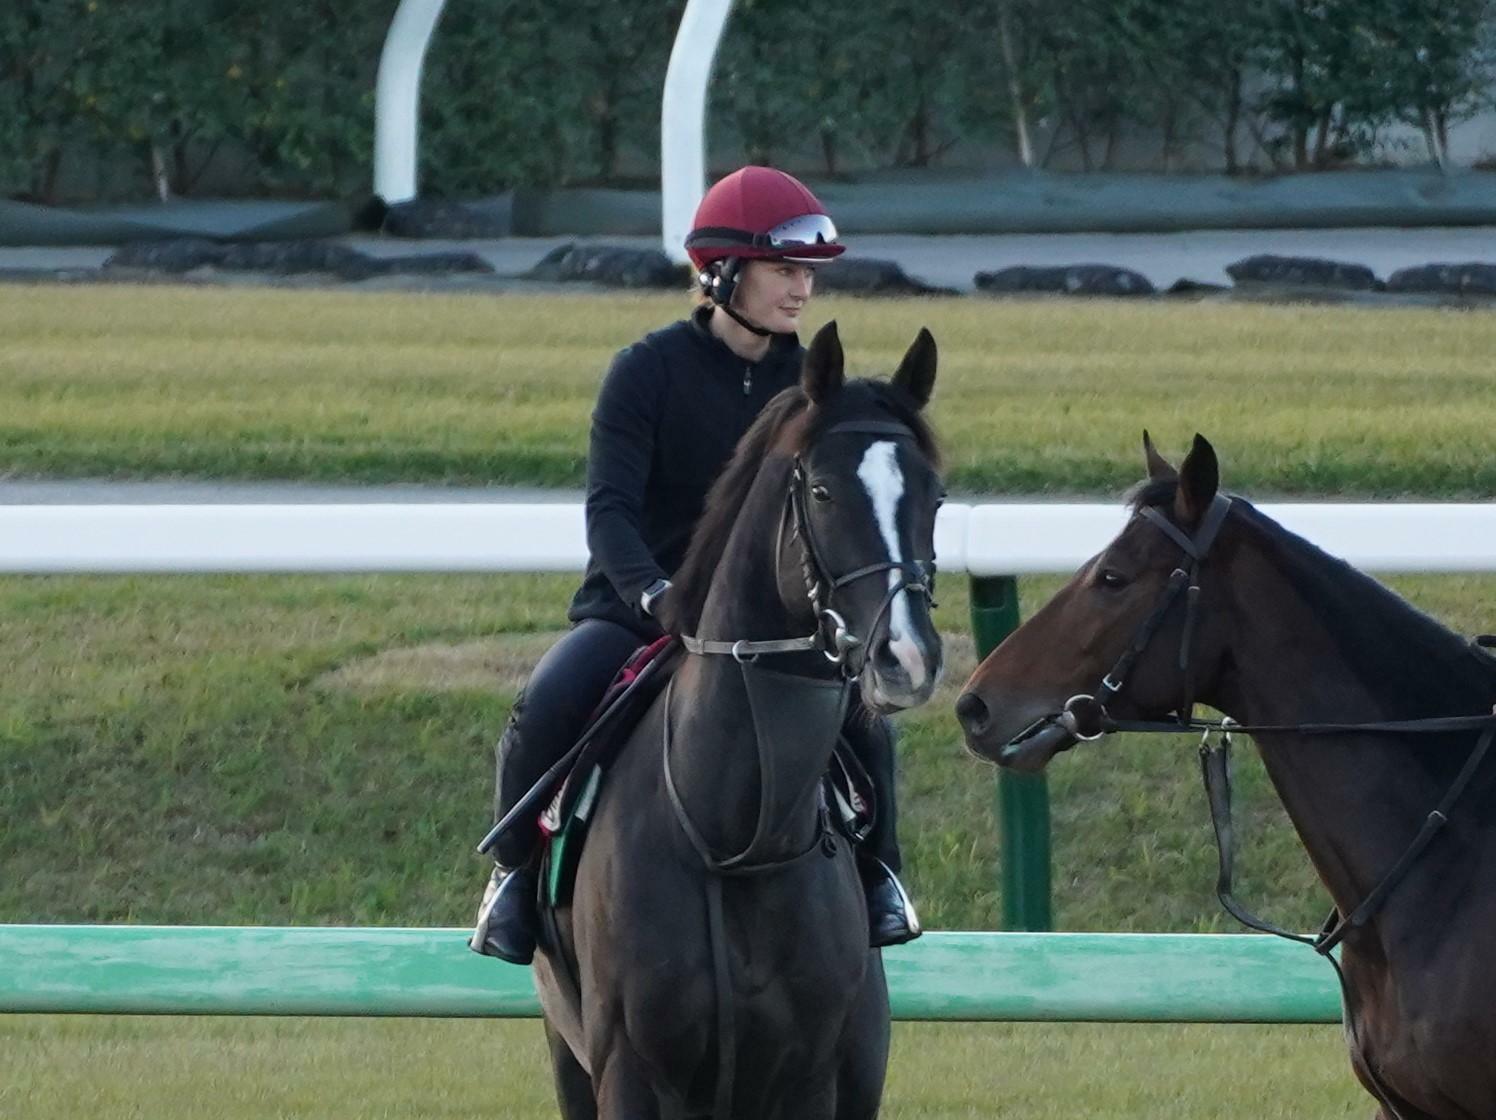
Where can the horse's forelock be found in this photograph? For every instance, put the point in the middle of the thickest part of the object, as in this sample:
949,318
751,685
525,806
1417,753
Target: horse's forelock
1152,492
865,397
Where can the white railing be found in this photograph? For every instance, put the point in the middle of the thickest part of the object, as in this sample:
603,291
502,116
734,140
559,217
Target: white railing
996,539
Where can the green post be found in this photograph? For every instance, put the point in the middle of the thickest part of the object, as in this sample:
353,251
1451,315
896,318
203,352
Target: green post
1023,799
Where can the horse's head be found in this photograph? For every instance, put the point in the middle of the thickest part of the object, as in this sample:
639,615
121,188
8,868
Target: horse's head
1128,636
858,548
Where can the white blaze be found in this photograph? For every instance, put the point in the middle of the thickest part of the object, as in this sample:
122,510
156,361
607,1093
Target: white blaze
884,481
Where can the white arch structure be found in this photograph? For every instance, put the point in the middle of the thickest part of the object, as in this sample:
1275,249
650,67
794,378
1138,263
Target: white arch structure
397,98
397,109
683,119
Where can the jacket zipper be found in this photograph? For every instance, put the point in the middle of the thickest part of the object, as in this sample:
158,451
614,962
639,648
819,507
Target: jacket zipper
747,380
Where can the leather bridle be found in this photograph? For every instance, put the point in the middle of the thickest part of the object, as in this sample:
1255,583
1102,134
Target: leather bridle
832,635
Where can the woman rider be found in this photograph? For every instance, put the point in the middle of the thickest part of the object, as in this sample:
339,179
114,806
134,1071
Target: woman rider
670,413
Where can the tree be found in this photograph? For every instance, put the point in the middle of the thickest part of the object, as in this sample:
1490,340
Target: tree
1434,61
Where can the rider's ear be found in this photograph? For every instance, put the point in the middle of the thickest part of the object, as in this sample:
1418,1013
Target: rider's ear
1158,466
1199,478
822,376
916,373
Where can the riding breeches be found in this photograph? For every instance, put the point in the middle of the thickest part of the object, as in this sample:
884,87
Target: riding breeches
566,686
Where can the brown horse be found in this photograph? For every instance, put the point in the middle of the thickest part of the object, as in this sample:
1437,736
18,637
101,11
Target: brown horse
1201,596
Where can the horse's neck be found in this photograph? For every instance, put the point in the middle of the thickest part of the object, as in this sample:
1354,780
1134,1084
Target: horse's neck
716,757
1288,669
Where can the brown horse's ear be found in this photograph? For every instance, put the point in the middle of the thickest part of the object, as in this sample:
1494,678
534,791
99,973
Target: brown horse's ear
916,373
1199,478
1158,466
822,376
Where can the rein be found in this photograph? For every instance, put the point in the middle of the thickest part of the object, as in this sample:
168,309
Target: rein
1085,718
832,636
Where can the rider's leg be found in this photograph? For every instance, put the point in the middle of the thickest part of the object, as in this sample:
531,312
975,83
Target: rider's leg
891,916
547,717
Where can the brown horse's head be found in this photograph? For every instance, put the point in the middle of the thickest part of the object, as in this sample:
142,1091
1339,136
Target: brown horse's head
1071,645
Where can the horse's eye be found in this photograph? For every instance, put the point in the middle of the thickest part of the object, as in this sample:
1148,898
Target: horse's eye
820,493
1111,579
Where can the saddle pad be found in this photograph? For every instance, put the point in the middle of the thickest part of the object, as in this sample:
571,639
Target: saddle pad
564,847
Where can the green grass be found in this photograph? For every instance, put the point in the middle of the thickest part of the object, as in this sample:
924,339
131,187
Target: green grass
54,1068
316,749
1033,396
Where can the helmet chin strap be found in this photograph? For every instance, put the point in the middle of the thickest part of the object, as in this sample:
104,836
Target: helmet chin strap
744,323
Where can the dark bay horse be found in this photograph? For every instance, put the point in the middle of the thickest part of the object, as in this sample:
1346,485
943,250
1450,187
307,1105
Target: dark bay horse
714,958
1281,634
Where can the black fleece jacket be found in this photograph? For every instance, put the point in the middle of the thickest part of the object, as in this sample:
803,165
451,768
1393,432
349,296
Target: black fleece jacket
671,410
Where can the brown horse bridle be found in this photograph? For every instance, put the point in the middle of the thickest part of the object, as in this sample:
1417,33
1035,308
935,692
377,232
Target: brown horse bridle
832,636
1084,717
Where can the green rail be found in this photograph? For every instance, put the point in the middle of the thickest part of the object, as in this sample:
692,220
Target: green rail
1022,799
1019,977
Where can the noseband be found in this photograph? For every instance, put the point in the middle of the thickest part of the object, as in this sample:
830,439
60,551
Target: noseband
832,636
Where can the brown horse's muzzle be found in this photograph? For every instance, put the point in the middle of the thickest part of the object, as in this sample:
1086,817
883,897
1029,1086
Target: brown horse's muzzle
1082,719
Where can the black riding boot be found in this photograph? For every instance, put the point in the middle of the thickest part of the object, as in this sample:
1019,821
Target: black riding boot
508,920
891,916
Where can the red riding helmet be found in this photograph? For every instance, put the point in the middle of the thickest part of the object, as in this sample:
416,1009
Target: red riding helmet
760,212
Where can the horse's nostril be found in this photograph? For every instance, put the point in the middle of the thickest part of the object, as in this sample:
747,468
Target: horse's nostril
971,710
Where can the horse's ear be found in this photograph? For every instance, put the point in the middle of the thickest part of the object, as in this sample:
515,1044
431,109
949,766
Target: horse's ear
1158,466
823,374
1199,478
916,373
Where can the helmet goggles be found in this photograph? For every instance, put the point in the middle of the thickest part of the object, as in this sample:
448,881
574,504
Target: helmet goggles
805,237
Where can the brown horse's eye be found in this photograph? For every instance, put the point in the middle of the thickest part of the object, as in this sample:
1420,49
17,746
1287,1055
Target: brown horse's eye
820,493
1111,579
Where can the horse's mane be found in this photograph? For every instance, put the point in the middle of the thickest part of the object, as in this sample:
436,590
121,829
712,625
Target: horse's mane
1418,666
789,422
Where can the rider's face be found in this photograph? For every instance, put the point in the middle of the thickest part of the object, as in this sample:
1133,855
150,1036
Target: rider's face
773,293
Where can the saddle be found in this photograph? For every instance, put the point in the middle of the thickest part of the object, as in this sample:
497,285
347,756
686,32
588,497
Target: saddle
847,790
